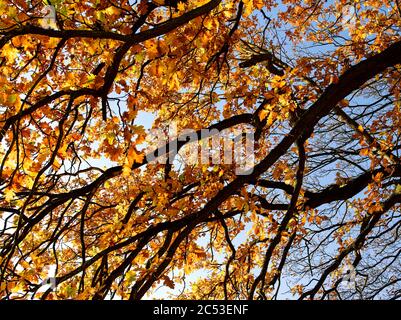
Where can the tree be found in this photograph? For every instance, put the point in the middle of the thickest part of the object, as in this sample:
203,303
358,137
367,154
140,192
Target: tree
317,83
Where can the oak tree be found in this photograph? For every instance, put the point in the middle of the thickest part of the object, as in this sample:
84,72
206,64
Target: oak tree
317,83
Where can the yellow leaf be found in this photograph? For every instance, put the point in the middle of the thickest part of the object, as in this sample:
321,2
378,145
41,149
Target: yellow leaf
272,117
91,78
100,16
344,103
10,52
378,177
159,2
269,95
110,138
168,282
187,269
258,4
9,194
211,24
248,7
126,170
56,164
19,287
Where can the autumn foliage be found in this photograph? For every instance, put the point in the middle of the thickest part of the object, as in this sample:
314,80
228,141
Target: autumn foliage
82,83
